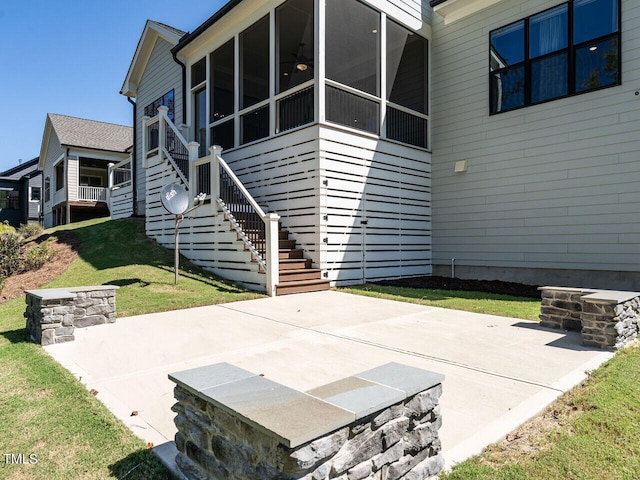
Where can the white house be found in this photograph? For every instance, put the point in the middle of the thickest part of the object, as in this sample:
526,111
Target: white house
74,159
395,138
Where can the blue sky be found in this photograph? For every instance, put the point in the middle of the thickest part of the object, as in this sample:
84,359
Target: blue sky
70,57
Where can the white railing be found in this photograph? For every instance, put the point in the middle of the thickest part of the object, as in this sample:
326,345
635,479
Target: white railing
257,229
92,194
120,173
162,136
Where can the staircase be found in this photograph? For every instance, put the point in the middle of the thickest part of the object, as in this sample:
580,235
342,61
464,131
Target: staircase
296,274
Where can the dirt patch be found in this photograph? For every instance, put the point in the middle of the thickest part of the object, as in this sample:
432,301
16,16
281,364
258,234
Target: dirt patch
66,246
445,283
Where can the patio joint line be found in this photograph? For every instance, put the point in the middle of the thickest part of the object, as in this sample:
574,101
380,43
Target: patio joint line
400,350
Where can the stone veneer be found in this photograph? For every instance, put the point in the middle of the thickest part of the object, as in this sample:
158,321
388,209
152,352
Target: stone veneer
381,424
608,319
54,313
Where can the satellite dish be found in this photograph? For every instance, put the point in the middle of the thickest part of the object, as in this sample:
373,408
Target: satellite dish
175,198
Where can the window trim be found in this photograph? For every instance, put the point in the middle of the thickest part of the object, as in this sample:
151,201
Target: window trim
570,50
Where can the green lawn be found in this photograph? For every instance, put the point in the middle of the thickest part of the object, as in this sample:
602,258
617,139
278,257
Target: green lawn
44,411
478,302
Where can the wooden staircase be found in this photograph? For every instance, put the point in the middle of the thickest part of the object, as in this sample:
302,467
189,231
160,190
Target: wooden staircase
296,274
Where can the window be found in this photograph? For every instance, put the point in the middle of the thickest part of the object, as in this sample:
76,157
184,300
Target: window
91,181
573,48
47,189
222,92
199,92
9,200
59,176
166,100
34,194
295,45
254,63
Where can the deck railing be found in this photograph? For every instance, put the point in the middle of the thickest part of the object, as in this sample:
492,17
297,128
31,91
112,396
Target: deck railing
92,194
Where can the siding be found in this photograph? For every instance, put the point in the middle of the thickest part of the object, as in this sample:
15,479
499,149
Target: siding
54,150
120,200
161,75
552,186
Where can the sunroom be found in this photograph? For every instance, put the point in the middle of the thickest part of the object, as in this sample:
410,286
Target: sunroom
321,111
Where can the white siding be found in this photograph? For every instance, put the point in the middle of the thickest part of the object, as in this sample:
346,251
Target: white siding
53,153
120,201
73,177
552,186
161,75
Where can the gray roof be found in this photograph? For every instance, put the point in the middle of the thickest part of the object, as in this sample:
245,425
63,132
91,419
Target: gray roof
24,169
177,31
79,132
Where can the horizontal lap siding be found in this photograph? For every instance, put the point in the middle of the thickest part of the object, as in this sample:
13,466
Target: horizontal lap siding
161,75
282,176
388,186
548,186
205,239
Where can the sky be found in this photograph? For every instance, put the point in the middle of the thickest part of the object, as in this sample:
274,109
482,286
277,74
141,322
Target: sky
71,57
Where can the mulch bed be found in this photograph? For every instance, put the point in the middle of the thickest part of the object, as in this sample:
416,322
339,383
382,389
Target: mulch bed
444,283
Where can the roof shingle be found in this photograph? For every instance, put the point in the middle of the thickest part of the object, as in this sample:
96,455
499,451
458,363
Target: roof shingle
79,132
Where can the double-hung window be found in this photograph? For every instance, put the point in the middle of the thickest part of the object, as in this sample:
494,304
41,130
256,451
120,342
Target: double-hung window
569,49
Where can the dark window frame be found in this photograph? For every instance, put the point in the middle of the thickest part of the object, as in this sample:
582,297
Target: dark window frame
571,53
32,191
167,100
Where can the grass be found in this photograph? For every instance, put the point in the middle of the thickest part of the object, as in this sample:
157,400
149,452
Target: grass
44,411
477,302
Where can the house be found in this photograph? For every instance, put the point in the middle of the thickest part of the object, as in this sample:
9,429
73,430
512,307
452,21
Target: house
74,161
362,140
20,194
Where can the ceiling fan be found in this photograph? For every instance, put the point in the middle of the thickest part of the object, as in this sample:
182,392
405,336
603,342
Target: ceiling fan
301,62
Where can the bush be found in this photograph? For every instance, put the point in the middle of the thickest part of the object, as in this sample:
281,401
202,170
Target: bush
2,280
30,230
5,227
37,257
10,253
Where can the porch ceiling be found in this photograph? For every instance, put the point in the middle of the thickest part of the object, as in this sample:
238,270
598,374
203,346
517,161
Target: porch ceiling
452,10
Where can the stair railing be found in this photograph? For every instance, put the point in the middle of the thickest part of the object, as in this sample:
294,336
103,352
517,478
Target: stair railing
258,230
163,135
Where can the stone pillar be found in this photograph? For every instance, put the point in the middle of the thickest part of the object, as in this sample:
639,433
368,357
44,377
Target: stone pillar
380,424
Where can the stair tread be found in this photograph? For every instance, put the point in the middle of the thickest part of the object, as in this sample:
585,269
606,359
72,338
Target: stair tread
305,282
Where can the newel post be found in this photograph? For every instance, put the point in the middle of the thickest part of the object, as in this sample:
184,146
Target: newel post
193,147
273,263
216,152
110,183
162,126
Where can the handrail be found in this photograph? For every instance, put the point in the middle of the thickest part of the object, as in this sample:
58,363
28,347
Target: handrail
240,186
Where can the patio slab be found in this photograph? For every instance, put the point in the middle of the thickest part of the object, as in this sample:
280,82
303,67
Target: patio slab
499,371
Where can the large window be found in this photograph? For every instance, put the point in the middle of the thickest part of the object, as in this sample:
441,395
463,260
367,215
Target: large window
9,199
294,35
166,100
199,92
59,168
569,49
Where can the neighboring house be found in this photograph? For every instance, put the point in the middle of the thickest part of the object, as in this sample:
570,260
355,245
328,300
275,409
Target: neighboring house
74,160
20,194
391,141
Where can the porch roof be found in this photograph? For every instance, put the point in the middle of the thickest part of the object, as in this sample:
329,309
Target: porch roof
92,134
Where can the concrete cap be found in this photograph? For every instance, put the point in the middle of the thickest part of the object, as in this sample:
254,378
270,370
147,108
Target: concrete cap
61,293
197,379
610,296
359,396
410,380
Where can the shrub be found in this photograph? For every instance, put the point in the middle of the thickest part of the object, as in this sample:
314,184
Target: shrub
10,253
30,230
5,227
2,280
37,257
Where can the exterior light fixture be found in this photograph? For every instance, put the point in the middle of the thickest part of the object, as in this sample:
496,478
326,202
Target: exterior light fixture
593,49
302,66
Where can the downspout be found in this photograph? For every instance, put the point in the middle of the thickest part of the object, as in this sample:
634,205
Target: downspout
184,86
134,153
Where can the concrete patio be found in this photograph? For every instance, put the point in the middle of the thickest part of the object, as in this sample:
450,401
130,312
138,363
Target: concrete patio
499,371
